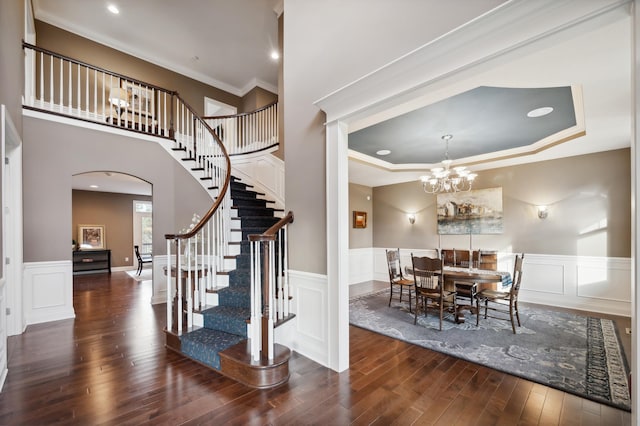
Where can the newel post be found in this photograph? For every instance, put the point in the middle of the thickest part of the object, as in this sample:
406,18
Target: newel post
267,327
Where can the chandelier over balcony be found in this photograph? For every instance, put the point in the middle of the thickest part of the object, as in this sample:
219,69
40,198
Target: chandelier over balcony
444,179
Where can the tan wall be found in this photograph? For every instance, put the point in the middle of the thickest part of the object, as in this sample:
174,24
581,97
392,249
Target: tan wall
589,199
54,152
257,98
76,47
115,212
360,199
12,63
11,71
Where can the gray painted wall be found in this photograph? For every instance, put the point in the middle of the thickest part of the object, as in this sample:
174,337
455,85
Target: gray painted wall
589,199
333,55
53,152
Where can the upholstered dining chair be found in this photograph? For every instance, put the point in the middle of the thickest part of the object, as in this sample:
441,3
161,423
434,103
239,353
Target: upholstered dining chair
503,302
429,284
396,279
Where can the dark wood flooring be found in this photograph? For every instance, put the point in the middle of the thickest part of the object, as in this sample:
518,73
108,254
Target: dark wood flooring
109,366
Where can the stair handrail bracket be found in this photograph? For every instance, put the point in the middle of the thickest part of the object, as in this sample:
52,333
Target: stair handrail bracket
270,293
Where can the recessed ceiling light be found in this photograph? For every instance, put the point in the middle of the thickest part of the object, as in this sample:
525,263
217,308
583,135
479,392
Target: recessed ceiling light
113,9
539,112
383,152
275,55
93,186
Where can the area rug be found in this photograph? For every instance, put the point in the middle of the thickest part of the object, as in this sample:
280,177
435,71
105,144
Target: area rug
577,354
145,275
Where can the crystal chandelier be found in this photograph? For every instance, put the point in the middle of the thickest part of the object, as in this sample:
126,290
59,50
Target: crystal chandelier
444,179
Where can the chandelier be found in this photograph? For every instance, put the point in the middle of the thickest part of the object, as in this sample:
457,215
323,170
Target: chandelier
445,179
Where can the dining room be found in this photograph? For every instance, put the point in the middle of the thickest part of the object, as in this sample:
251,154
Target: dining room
565,203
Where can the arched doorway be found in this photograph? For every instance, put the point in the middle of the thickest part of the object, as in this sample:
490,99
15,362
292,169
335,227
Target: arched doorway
119,207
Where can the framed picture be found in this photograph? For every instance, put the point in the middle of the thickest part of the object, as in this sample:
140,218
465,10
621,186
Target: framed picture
474,212
359,219
140,98
91,237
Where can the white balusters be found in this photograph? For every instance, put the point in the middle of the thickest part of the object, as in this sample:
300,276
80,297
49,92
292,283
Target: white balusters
247,132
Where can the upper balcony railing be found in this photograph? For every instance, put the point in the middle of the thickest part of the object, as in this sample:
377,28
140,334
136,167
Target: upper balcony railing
247,132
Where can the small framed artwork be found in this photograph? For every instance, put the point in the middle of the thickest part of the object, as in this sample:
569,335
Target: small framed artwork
140,98
359,219
91,237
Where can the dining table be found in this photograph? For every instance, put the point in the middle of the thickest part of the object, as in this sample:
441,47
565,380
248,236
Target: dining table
469,281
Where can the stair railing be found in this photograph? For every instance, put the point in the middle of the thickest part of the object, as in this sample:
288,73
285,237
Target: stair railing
200,249
63,86
247,132
270,296
60,85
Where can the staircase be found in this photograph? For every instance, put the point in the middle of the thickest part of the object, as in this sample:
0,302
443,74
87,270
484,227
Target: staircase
222,343
226,325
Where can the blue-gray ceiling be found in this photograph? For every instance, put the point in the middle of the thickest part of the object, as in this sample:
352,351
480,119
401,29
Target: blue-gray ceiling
482,120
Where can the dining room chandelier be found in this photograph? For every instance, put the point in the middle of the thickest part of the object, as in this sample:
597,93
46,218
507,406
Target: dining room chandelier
446,179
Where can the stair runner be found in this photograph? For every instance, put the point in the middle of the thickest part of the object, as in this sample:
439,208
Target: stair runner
226,324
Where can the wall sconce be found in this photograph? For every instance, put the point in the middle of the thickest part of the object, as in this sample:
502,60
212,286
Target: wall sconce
542,212
412,218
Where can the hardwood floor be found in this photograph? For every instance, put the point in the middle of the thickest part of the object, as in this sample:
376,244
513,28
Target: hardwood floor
109,366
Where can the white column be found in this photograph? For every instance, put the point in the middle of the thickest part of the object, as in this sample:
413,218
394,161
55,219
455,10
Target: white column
337,244
635,196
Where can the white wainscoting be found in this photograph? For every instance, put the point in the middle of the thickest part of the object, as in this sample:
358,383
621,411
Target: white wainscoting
361,265
264,171
597,284
160,279
310,304
48,291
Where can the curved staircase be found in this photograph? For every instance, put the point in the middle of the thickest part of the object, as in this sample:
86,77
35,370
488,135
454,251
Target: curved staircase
229,325
222,342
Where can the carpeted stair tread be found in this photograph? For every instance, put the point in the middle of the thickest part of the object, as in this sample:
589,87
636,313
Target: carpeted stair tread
204,345
230,319
255,210
247,193
237,296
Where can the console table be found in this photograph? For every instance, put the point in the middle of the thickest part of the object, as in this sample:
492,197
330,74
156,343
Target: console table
91,261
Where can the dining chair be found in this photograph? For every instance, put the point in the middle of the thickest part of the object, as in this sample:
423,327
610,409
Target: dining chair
142,259
429,287
503,302
485,259
396,278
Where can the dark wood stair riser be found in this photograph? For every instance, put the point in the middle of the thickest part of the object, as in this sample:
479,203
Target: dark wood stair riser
236,362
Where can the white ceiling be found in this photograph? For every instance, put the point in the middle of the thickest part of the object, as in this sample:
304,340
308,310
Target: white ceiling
111,182
231,39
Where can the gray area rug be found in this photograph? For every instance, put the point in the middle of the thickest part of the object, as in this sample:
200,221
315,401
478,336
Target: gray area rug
573,353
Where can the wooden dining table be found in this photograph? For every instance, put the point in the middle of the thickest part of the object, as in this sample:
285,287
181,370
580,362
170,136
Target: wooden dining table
469,281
